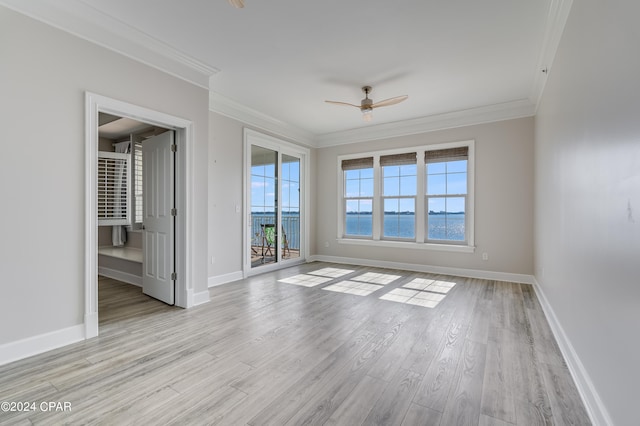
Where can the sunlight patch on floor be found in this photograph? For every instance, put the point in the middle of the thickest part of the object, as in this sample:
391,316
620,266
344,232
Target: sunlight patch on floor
331,272
420,292
424,284
305,280
376,278
353,287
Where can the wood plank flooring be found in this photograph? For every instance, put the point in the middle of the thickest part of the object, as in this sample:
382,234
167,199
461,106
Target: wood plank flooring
265,352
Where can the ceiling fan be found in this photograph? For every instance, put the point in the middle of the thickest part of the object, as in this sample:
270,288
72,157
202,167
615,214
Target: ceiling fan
237,3
367,105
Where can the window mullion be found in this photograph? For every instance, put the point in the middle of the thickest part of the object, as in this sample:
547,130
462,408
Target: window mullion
421,190
378,205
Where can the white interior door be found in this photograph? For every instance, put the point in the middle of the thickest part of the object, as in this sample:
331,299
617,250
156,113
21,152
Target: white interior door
158,160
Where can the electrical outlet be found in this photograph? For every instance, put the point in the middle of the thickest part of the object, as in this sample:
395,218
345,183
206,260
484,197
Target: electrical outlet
485,256
326,243
213,259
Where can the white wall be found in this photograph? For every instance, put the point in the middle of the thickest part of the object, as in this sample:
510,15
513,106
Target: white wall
503,199
225,193
587,215
44,74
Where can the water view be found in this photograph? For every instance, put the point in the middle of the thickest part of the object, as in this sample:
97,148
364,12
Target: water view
440,226
290,226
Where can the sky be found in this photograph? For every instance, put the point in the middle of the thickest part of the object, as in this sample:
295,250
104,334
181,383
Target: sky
447,178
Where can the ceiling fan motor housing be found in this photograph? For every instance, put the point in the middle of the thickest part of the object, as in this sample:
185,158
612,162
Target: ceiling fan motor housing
366,103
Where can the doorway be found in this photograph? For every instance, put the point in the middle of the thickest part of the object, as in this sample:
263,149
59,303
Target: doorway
275,203
136,188
183,129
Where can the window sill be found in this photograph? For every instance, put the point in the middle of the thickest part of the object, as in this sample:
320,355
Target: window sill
408,245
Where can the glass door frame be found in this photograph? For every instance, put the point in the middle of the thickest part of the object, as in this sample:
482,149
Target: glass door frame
251,138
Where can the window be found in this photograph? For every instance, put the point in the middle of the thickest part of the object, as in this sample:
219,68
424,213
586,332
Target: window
446,195
420,197
358,196
399,195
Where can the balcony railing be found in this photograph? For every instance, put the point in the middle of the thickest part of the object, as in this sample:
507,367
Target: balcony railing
290,225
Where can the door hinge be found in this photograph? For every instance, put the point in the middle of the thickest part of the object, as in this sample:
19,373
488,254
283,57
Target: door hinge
174,212
174,276
174,147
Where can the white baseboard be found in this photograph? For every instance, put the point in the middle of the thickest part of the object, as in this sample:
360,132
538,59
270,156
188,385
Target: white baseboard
225,278
200,298
120,276
35,345
594,405
91,325
445,270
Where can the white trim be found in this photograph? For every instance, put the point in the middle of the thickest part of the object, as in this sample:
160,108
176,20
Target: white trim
232,109
419,241
200,298
225,278
444,270
88,23
34,345
91,325
120,276
593,403
555,23
184,178
485,114
407,245
274,267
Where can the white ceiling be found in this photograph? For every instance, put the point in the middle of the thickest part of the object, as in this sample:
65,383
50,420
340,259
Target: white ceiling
278,60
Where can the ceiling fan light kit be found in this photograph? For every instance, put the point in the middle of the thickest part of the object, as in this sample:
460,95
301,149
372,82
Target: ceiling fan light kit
367,105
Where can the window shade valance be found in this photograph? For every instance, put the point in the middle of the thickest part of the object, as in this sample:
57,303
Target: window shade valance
357,163
398,159
449,154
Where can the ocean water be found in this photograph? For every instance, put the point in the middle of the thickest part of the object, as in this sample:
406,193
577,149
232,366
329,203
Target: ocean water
440,226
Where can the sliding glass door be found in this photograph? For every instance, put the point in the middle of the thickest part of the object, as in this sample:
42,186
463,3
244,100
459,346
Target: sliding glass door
275,204
264,206
290,217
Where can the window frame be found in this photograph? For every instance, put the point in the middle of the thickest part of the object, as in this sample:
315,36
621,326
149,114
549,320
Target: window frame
398,197
421,208
346,199
445,196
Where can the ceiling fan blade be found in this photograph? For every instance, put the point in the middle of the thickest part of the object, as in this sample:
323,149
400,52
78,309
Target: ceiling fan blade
237,3
391,101
342,103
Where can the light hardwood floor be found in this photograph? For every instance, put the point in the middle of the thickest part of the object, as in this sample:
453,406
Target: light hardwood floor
265,352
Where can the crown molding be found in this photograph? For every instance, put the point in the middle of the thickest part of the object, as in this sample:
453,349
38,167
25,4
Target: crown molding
86,22
555,23
485,114
232,109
